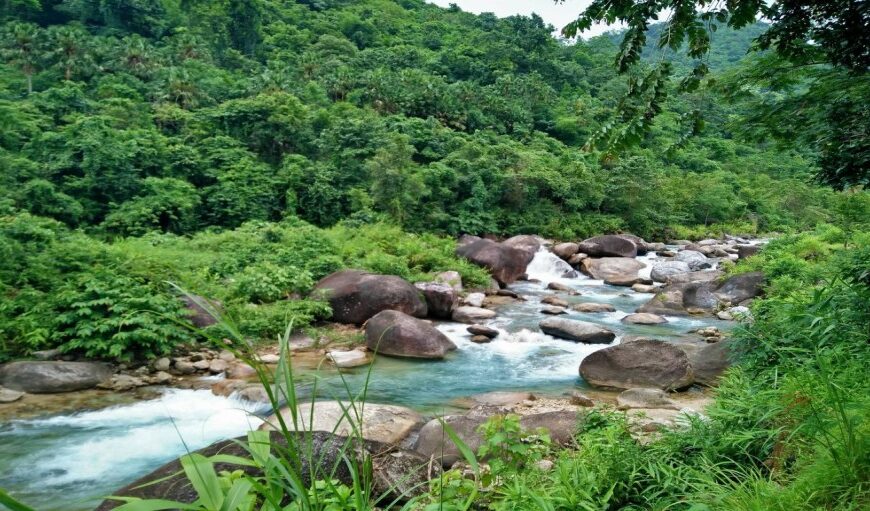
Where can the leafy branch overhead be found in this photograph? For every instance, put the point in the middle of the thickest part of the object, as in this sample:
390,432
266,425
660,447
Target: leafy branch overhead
830,35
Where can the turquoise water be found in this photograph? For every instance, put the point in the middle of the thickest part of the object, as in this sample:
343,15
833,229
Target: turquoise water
69,462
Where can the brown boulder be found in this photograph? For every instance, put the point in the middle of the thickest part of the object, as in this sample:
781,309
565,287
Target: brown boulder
611,268
397,334
608,246
440,298
505,262
356,295
655,364
396,472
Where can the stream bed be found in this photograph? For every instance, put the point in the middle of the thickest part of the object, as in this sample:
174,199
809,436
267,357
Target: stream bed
70,461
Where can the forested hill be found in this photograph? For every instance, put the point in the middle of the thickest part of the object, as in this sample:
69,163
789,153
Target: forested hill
176,116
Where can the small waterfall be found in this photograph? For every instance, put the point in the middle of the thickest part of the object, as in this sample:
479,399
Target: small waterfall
96,452
547,267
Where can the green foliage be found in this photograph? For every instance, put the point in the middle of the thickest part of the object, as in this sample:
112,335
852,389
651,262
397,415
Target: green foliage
507,446
106,315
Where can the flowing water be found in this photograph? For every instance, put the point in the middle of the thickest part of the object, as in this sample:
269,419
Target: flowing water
68,462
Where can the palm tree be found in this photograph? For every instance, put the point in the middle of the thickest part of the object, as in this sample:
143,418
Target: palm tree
20,47
69,49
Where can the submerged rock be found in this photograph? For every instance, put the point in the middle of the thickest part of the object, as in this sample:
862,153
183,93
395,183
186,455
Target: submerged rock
397,334
53,376
575,330
644,363
356,295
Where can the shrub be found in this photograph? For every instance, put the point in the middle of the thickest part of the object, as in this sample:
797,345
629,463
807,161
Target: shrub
109,315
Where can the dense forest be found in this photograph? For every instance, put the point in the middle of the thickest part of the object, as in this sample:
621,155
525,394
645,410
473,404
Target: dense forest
242,150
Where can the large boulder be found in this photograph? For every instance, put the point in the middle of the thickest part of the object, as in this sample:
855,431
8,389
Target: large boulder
396,473
683,299
433,441
710,361
440,298
47,377
744,251
527,243
505,262
696,260
642,246
611,268
740,288
397,334
387,424
643,363
664,269
575,330
451,278
356,295
694,277
608,246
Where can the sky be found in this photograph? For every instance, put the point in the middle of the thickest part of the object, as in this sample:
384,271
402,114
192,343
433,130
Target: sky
555,14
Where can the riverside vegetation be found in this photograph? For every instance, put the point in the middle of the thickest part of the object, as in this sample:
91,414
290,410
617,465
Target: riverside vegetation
243,150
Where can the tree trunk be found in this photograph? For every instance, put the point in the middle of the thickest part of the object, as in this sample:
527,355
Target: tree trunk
29,84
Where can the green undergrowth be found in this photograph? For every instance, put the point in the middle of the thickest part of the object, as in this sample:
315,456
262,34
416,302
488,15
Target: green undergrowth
62,288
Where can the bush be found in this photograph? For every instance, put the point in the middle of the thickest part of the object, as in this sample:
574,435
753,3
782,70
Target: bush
109,315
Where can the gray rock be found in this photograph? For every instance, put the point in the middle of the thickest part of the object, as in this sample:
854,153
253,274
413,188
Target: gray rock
9,395
566,250
593,307
558,286
696,260
580,399
451,278
644,318
709,362
52,354
741,287
664,269
744,251
355,295
218,366
201,311
655,364
348,359
554,300
492,333
608,246
50,377
162,364
553,310
505,261
472,314
395,472
397,334
578,331
644,288
433,442
184,367
474,299
440,298
388,424
612,268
